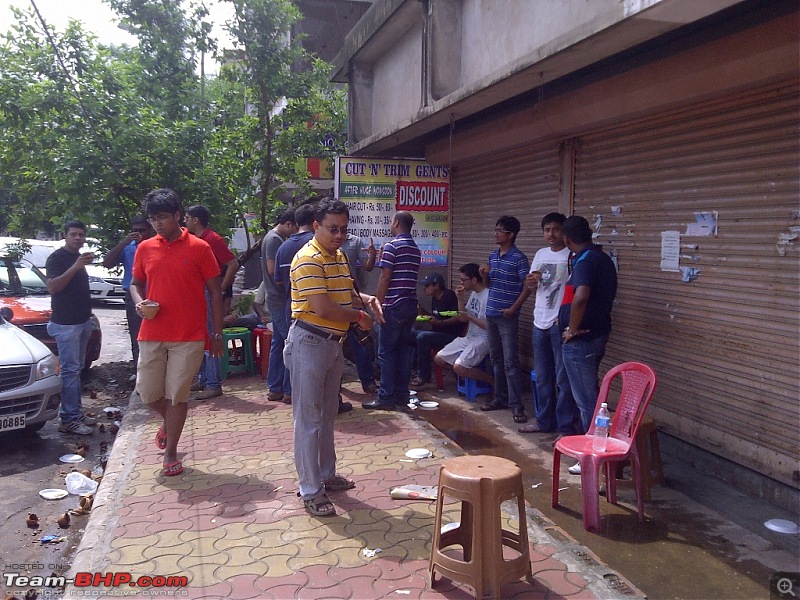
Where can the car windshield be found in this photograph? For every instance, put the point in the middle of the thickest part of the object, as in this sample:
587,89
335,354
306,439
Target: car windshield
20,278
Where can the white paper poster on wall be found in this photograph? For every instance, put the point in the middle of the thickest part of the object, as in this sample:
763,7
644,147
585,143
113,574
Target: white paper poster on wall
670,250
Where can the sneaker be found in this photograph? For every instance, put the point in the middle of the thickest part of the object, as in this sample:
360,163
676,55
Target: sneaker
87,420
369,387
275,396
198,386
75,428
418,381
287,399
209,392
575,469
345,407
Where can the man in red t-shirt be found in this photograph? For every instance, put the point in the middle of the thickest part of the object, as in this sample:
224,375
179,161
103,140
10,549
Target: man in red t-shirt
174,269
197,219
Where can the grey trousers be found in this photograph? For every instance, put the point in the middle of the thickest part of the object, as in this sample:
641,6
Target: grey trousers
315,367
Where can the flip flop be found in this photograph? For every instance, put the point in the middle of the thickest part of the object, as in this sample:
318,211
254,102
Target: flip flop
172,469
321,506
161,438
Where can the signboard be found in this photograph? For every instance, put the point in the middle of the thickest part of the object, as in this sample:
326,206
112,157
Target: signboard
376,188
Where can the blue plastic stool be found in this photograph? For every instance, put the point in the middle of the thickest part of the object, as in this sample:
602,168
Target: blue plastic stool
535,391
472,387
237,358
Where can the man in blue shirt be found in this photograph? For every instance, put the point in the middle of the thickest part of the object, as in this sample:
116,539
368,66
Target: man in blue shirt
505,277
122,254
397,292
585,315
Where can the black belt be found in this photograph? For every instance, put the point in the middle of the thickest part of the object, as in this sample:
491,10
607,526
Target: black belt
327,335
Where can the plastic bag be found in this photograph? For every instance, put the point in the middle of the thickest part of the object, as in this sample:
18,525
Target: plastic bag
79,484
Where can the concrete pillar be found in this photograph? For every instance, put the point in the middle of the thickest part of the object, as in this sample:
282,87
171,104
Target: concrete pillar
360,102
444,47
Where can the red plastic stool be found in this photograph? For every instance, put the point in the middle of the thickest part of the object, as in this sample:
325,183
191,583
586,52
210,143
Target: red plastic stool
262,339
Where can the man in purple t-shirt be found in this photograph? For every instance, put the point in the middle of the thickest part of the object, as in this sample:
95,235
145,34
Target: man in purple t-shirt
397,292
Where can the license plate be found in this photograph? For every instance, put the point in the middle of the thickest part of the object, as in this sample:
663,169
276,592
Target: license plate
10,422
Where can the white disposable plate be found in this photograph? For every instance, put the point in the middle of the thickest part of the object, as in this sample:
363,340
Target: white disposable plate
412,392
110,409
782,526
53,494
429,405
71,458
418,453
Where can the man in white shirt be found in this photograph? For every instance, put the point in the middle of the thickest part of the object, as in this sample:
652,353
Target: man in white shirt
556,409
465,354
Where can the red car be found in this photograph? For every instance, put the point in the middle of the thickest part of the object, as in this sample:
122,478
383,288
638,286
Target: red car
23,290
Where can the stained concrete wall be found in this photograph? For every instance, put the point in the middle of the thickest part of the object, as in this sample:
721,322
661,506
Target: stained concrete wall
397,81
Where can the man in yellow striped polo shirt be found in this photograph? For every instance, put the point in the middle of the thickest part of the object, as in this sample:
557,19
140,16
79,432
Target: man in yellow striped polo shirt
322,311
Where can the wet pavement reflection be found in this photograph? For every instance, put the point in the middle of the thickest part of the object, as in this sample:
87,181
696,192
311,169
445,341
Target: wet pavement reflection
683,550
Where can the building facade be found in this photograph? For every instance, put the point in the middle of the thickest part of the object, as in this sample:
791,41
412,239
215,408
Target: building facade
644,116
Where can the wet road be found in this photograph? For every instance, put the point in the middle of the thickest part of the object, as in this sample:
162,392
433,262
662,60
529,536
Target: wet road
29,462
683,550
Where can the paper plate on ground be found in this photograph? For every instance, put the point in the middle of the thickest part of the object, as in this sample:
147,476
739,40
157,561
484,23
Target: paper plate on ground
782,526
412,392
429,405
418,453
71,458
53,494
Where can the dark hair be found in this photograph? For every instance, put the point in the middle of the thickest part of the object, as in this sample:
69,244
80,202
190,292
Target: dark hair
471,270
553,217
200,212
140,219
510,224
405,219
286,215
577,229
74,224
162,200
328,206
304,214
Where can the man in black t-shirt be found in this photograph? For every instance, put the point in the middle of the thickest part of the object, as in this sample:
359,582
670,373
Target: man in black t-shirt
71,323
444,328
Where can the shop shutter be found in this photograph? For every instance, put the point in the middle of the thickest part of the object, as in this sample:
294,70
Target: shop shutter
726,345
522,182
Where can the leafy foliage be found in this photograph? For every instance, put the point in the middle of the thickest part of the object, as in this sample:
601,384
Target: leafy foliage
87,130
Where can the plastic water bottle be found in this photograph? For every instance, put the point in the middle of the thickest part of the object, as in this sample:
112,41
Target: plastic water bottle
602,422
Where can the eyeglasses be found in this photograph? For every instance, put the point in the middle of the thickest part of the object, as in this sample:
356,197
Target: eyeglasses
498,230
334,230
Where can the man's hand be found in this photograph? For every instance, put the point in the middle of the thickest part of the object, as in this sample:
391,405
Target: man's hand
377,310
215,348
533,279
508,312
484,270
85,259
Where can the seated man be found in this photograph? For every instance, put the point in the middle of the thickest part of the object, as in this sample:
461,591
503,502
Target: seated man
465,354
444,328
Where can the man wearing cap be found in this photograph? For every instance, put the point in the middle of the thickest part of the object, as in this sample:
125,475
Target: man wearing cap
444,328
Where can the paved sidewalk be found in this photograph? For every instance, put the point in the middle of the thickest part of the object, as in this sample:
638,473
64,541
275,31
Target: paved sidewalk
234,526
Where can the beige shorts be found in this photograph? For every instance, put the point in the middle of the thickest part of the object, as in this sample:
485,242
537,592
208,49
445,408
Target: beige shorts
166,370
465,352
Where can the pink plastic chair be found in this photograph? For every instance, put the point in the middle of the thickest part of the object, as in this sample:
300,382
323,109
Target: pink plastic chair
638,384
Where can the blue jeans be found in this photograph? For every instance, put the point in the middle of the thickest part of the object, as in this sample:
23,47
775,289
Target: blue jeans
582,359
363,359
394,352
426,341
134,324
277,374
556,408
211,369
72,341
316,366
503,336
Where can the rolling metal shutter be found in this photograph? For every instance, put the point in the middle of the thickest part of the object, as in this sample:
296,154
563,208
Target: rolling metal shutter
726,345
522,182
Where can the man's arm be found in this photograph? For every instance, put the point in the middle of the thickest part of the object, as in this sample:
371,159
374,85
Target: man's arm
215,294
231,267
58,283
137,290
514,309
326,308
371,254
383,283
577,310
112,258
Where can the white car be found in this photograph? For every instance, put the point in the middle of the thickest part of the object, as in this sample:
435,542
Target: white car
30,386
104,284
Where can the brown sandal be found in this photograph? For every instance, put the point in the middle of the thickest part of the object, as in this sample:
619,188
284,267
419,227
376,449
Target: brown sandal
321,506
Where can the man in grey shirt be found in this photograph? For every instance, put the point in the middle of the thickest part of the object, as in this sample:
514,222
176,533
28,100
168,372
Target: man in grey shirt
280,388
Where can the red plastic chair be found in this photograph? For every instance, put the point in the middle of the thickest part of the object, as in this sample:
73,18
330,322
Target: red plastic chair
638,384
